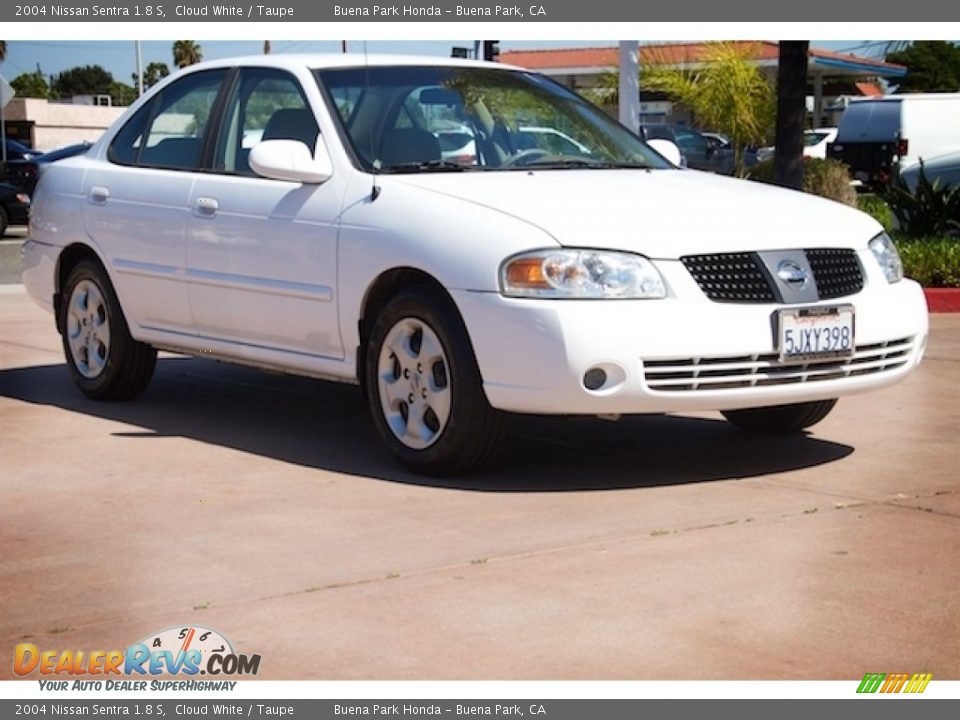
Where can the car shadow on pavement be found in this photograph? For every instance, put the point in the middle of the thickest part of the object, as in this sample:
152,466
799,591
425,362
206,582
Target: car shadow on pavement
326,426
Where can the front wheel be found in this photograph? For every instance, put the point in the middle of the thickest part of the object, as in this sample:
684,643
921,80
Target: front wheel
424,387
105,361
780,419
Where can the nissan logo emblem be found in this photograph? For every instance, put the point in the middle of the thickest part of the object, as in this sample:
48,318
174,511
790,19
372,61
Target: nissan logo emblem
792,275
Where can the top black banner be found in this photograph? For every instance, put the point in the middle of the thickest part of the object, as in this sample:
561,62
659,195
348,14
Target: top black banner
467,11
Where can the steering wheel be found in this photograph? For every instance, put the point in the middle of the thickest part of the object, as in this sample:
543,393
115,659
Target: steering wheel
526,157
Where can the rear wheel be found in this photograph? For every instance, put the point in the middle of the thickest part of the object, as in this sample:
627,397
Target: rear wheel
106,363
424,389
780,419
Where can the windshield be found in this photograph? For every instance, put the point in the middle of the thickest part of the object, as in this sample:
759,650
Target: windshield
426,119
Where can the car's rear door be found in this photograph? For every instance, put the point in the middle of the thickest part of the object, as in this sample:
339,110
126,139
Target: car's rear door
137,198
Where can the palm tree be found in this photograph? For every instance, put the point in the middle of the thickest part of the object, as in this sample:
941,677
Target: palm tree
727,92
186,52
3,50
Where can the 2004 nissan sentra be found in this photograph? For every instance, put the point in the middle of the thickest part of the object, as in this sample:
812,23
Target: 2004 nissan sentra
300,214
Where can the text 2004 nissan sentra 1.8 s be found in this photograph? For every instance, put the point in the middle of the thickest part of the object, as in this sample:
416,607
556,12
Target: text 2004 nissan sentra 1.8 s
392,222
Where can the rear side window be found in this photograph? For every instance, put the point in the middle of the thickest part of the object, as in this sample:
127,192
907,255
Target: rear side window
169,131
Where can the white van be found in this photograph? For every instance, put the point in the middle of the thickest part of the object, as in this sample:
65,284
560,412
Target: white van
877,136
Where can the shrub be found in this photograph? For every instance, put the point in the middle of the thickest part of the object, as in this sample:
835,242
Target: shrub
928,211
827,178
931,261
878,209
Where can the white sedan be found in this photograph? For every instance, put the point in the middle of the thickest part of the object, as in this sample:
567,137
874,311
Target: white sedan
814,144
342,245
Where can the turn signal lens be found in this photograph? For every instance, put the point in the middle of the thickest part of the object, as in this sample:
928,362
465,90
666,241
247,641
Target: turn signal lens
526,272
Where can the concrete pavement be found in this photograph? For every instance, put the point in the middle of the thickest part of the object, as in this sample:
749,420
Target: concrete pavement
652,548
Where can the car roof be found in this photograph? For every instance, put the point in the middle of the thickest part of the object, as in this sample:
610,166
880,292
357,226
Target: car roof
317,61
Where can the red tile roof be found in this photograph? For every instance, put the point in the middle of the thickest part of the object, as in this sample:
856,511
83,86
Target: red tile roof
869,89
674,53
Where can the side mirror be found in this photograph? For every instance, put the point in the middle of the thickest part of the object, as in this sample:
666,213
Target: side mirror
291,160
668,149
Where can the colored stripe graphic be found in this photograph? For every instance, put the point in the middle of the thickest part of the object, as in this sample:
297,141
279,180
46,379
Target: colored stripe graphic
894,682
871,682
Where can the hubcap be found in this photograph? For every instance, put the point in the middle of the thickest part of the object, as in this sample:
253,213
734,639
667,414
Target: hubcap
88,330
414,384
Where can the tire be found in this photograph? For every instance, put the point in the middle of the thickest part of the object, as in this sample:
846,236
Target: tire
780,419
424,388
4,221
104,361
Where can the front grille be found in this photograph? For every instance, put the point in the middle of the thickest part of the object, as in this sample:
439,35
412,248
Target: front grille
730,277
837,272
719,373
742,278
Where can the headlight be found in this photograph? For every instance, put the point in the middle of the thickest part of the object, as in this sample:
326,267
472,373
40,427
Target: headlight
886,254
580,274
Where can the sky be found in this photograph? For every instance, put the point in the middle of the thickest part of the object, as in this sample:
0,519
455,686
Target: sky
119,57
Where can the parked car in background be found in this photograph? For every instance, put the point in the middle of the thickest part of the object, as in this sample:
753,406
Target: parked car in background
343,245
24,172
18,151
722,141
699,151
814,144
942,169
878,137
14,207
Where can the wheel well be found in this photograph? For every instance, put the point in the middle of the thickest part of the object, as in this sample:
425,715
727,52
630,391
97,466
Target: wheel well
383,288
71,256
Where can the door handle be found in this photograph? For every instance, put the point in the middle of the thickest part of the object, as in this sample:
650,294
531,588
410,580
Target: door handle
99,194
206,207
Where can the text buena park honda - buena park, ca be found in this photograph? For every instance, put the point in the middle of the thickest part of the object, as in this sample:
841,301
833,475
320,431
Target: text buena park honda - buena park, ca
433,10
154,11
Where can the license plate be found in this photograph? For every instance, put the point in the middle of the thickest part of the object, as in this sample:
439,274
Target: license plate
816,333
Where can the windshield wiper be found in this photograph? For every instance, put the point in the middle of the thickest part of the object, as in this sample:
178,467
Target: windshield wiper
427,166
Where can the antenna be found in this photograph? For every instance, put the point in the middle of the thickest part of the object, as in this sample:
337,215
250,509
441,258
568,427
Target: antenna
374,161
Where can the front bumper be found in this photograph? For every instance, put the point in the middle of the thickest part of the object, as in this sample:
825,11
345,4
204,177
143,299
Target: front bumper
679,354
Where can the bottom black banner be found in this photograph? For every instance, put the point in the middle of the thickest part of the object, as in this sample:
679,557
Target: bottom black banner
873,708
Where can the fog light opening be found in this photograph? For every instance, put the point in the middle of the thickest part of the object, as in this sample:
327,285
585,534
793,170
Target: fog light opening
604,378
594,378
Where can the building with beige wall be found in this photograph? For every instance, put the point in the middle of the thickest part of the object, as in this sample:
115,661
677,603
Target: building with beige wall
46,125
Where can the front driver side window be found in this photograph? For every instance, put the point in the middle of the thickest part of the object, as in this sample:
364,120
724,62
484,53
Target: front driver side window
267,104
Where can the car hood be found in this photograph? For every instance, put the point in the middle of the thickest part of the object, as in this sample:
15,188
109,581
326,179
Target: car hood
663,214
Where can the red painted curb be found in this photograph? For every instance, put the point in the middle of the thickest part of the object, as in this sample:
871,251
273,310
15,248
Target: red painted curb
943,300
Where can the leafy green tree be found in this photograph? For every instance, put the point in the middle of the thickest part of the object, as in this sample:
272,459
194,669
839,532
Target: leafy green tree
122,94
727,93
186,52
31,85
152,74
86,80
932,66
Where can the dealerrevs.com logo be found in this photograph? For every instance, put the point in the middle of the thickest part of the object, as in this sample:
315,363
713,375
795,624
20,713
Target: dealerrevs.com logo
894,683
183,651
